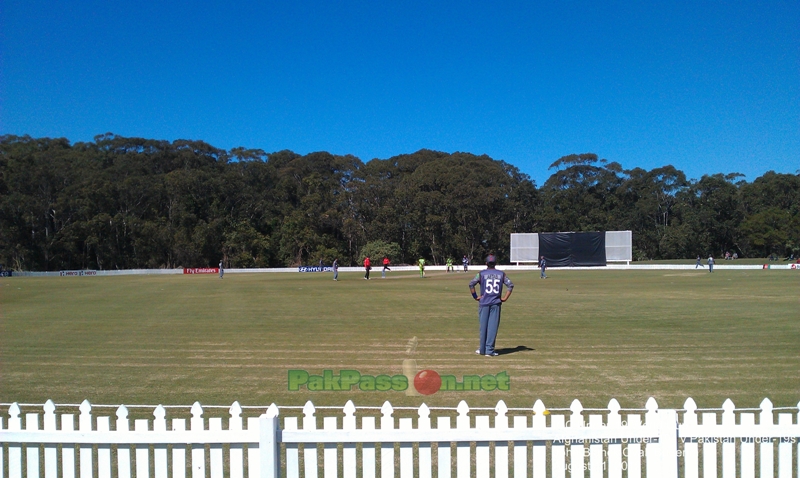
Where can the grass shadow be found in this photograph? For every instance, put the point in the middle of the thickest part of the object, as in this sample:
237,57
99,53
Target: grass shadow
518,348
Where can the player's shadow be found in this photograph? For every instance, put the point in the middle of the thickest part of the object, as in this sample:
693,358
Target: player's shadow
518,348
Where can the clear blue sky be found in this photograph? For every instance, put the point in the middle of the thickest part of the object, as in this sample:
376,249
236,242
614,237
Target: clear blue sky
705,86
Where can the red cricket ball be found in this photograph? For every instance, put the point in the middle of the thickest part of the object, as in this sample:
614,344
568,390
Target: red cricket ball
427,382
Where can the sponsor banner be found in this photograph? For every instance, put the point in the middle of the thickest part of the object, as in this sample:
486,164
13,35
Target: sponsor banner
315,269
77,273
201,270
794,266
5,273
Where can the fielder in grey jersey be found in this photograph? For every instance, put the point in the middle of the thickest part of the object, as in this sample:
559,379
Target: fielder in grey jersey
490,300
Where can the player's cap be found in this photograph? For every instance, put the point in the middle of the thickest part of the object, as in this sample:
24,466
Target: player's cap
490,259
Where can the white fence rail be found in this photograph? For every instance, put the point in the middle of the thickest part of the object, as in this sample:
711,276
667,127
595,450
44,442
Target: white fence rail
365,443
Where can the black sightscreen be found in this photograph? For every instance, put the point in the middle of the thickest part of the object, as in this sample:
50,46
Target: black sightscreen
568,249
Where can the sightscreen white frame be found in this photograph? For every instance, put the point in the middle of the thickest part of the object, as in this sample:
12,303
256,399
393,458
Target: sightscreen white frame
619,247
525,247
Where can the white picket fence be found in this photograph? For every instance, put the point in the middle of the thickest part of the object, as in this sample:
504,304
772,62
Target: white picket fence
535,442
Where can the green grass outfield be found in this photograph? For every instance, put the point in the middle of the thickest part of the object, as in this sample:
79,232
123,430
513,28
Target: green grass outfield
591,335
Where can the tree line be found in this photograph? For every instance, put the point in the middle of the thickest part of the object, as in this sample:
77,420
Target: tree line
128,203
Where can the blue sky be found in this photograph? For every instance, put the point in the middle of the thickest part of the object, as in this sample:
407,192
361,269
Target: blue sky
705,86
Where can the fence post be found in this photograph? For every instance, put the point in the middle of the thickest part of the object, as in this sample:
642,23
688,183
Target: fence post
160,465
425,454
652,450
463,452
236,469
501,448
614,420
198,450
50,450
349,462
576,447
2,460
85,425
269,446
728,444
387,449
767,450
310,450
539,422
691,454
123,451
668,442
32,452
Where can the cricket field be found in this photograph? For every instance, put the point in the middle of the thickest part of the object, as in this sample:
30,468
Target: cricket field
590,335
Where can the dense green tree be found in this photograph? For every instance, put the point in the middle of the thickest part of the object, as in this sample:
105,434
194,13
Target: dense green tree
312,191
377,250
581,197
121,203
711,208
772,230
462,204
645,205
771,206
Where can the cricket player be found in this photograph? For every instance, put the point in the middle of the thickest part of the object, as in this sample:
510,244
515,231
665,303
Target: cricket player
490,300
421,263
385,267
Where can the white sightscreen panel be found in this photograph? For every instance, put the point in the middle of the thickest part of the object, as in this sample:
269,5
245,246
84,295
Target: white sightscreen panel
525,247
619,246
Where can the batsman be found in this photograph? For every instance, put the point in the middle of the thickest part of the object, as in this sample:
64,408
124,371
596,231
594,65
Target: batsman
490,300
